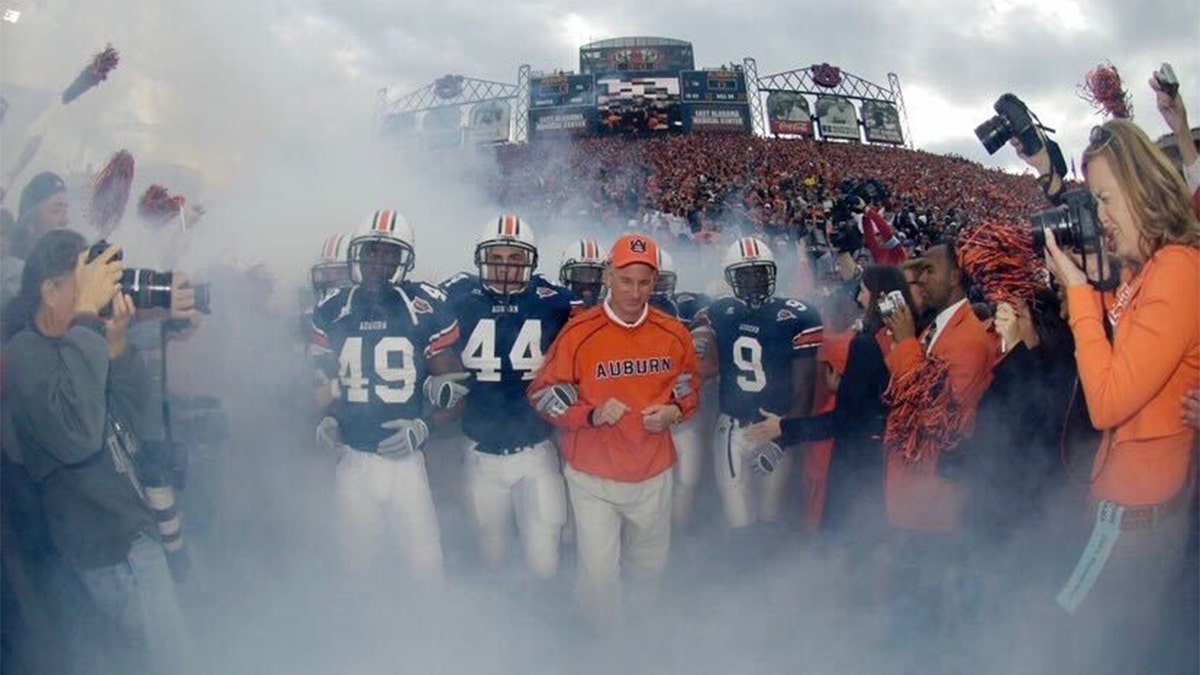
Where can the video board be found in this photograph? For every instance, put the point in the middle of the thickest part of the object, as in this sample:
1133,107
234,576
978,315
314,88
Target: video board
646,102
881,121
623,59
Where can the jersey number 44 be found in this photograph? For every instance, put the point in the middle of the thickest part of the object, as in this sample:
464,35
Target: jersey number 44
480,354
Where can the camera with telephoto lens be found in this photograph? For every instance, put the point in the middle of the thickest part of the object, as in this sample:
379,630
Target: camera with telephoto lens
1074,224
1012,119
889,303
150,288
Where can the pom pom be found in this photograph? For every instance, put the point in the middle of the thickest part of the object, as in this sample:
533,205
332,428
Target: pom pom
925,421
92,74
110,192
158,207
1000,260
1103,89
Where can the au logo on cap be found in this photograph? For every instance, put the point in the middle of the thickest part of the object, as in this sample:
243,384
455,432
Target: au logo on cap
638,246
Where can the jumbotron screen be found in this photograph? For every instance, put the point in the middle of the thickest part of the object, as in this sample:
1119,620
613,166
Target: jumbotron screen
625,59
638,102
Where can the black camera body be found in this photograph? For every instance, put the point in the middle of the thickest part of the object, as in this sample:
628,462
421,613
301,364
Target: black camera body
845,237
1012,119
148,288
1074,224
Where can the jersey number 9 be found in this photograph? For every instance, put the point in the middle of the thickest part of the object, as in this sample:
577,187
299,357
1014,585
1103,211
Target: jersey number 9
747,356
398,379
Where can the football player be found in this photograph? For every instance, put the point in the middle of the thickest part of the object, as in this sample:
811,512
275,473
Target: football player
581,269
330,273
510,317
663,297
763,349
332,269
388,341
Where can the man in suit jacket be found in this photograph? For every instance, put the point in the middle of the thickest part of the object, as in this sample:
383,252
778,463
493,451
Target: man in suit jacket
920,497
924,499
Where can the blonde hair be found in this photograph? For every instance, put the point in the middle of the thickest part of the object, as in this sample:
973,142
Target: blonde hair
1157,194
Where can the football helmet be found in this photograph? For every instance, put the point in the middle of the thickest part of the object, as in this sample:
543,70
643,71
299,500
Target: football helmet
581,269
667,277
511,274
332,269
381,251
750,270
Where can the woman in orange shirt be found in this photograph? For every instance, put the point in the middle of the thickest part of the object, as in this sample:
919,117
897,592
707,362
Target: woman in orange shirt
1135,384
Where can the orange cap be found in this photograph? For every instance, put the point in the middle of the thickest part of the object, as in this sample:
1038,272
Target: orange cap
835,350
634,248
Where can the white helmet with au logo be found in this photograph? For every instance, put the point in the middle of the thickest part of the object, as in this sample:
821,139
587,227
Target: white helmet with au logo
381,251
750,270
506,254
581,269
332,269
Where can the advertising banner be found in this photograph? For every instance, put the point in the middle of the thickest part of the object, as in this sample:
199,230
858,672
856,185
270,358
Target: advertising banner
788,113
837,118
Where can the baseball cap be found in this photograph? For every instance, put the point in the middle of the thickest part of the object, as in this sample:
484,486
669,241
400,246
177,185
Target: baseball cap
40,188
634,248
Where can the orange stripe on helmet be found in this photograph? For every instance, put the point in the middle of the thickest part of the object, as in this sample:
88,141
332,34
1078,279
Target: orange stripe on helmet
384,221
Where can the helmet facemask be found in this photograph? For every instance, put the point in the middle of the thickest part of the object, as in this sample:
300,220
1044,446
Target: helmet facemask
506,267
666,283
585,279
752,282
380,261
328,277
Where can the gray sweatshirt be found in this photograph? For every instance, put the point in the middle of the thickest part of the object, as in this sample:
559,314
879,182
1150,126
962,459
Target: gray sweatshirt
60,397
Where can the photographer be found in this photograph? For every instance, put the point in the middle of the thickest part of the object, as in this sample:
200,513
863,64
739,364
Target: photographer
854,512
1138,355
73,410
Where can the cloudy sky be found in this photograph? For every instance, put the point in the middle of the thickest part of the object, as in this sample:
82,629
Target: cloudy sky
278,63
280,95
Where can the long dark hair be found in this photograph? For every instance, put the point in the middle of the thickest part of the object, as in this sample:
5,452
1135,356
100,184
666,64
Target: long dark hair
881,280
53,257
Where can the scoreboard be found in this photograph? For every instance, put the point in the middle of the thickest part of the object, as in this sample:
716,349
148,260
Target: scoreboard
713,86
560,90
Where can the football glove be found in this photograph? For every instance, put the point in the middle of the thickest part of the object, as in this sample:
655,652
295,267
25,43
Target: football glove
554,400
683,387
447,389
767,458
409,437
328,438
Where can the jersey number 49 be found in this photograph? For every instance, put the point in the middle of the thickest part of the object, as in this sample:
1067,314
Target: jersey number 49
395,369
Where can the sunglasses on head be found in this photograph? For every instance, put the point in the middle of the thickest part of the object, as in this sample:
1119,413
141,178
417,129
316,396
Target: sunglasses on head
1099,138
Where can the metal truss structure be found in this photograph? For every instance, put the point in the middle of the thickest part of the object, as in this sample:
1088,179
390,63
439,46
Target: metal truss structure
757,117
803,81
451,91
456,91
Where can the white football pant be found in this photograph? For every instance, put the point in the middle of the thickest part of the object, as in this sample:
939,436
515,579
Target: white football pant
617,522
379,497
748,497
529,483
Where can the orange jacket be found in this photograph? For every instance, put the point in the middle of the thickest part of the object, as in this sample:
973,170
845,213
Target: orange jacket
917,498
1135,386
638,366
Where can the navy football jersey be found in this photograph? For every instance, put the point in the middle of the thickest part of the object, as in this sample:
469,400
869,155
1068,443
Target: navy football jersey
504,346
689,305
664,303
381,351
755,350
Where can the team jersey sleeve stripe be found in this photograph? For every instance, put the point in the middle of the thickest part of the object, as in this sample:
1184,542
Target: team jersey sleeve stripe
443,340
807,341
